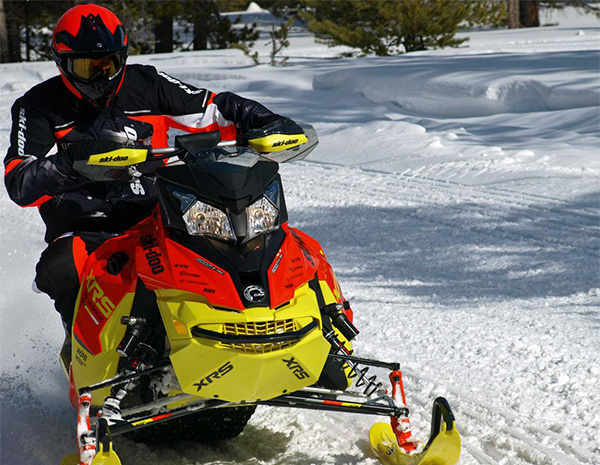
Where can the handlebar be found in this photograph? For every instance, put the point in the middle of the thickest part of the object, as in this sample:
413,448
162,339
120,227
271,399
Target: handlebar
174,150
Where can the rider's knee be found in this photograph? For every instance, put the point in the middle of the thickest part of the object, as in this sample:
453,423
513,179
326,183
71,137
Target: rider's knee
56,271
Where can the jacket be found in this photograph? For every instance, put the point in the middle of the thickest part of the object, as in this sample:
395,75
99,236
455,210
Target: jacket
149,105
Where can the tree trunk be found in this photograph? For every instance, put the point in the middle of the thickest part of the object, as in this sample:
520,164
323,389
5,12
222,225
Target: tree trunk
204,13
529,13
513,14
200,34
3,35
13,40
163,34
27,35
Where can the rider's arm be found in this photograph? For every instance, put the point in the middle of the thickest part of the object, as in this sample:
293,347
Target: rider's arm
193,110
30,176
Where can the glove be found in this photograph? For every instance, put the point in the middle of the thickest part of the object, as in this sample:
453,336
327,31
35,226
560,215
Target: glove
280,134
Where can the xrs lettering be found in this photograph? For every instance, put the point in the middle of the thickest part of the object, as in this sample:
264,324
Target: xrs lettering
101,301
214,375
296,368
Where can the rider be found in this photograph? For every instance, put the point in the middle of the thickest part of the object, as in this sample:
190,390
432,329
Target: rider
98,104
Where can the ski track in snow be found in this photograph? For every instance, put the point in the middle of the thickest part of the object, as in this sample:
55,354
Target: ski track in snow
460,215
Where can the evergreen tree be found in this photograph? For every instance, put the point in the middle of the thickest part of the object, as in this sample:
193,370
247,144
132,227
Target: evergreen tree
387,27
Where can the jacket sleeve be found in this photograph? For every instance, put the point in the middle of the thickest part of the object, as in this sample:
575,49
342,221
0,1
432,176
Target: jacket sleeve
197,110
30,176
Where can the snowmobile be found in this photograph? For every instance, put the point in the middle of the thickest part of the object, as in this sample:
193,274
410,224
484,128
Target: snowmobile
213,305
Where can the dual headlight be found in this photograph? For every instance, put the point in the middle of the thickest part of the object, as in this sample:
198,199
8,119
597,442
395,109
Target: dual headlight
202,219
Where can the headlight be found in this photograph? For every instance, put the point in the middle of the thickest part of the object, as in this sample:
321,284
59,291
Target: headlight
202,219
262,217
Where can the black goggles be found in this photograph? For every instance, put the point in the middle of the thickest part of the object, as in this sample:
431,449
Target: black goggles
89,68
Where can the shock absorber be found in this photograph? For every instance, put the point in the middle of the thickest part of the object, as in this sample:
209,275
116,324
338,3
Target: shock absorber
340,321
138,346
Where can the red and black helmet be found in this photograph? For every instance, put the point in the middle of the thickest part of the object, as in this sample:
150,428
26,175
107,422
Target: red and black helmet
89,46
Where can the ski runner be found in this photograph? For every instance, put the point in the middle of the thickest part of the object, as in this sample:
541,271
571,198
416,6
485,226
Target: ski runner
96,105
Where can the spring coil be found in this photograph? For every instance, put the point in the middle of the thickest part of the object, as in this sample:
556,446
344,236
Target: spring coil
371,384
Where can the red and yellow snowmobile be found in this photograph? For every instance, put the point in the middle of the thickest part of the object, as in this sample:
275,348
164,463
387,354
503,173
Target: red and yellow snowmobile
214,305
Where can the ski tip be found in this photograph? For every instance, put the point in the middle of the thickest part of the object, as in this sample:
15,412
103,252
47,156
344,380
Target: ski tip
385,446
442,449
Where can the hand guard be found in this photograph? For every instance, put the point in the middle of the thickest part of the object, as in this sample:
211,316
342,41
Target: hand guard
103,160
280,134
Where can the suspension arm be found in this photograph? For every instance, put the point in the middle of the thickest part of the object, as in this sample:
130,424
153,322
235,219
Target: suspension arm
365,361
300,400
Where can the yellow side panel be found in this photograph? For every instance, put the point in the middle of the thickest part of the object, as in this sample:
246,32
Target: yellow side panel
89,369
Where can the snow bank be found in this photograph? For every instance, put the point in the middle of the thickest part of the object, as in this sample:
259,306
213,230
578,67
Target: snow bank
475,85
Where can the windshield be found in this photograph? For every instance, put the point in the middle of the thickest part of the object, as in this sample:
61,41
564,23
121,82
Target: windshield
237,156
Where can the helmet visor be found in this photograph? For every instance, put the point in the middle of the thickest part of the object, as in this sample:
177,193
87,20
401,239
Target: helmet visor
90,68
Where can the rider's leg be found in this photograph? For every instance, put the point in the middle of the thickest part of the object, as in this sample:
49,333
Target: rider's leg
60,267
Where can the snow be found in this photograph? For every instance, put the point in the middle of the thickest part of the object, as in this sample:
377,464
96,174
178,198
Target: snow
456,192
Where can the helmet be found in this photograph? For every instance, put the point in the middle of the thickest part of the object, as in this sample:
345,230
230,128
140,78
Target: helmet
89,46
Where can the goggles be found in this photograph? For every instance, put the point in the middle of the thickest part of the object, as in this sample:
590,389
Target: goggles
89,69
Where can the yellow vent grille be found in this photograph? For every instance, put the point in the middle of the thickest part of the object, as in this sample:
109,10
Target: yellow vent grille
260,329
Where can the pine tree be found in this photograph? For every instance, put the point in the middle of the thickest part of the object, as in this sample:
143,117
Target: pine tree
387,27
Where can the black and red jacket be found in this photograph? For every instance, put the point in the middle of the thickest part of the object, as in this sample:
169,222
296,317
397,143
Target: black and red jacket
149,105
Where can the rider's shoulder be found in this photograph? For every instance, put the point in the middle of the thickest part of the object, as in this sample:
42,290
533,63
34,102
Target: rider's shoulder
47,92
139,71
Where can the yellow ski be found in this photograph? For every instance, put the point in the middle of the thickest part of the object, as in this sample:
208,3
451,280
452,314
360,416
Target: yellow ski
443,447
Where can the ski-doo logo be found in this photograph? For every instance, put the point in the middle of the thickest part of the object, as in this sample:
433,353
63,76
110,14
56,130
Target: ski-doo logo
180,84
254,294
21,135
208,265
112,159
282,143
101,301
296,368
276,266
218,374
153,257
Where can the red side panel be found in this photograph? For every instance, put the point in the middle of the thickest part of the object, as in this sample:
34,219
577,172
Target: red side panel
102,292
196,274
299,258
294,265
165,264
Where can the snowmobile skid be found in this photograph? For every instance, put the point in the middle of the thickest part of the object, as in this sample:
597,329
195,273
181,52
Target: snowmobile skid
214,305
392,443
